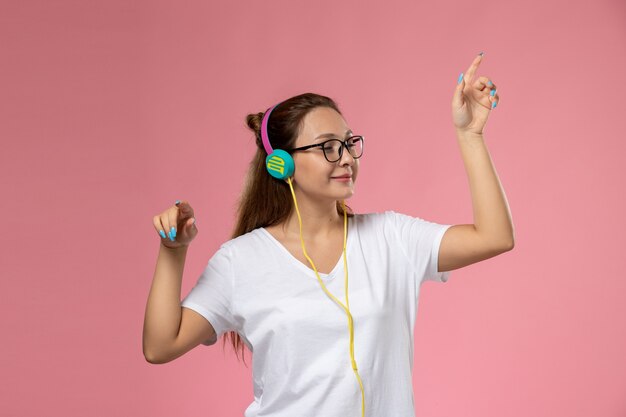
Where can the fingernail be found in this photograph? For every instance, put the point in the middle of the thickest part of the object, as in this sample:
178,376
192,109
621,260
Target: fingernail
489,83
177,202
173,232
493,93
162,233
481,53
495,103
194,220
460,78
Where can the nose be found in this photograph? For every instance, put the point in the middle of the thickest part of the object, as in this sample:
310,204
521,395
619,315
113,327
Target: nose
346,156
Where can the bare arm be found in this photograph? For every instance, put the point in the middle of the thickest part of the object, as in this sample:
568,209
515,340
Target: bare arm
492,232
169,331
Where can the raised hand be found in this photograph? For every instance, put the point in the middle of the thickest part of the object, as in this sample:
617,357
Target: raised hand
473,100
179,223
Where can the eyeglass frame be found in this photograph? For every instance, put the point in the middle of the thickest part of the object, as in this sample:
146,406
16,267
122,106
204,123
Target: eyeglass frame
344,144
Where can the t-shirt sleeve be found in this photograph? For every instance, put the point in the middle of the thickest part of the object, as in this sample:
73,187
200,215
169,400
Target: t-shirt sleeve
212,295
420,240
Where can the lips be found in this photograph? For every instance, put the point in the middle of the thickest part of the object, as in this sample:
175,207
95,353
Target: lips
344,176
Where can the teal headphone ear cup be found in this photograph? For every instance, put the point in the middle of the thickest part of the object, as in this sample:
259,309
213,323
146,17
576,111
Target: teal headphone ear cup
279,164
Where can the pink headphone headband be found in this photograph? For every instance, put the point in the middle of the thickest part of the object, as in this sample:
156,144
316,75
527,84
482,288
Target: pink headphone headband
264,137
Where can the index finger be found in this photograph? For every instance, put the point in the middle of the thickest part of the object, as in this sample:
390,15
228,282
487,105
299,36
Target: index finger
185,208
469,74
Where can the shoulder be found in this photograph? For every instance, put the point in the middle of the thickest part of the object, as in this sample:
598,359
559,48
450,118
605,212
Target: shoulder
392,223
371,217
394,218
240,250
251,239
375,224
377,218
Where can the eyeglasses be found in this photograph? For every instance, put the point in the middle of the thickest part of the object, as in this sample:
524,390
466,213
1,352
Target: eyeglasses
333,148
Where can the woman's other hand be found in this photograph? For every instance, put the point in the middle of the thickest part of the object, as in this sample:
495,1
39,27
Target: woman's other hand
473,100
177,225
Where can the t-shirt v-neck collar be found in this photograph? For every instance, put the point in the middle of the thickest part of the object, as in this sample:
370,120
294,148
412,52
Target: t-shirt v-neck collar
307,268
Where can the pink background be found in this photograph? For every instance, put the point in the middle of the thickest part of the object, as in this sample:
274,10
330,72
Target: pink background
112,110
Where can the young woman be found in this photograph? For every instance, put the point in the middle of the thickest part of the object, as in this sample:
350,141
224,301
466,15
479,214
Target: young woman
280,285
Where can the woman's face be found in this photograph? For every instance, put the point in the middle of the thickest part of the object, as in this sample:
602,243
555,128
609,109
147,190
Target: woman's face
313,174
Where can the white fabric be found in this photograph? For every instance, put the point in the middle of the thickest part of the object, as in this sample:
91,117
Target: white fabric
299,336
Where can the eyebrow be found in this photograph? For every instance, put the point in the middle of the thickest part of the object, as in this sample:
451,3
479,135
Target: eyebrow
332,135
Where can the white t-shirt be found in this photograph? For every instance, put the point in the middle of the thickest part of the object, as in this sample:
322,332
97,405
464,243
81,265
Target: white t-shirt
299,336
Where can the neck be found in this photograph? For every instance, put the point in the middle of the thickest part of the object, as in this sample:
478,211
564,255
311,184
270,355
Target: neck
320,220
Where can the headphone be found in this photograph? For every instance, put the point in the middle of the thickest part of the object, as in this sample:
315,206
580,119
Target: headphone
280,165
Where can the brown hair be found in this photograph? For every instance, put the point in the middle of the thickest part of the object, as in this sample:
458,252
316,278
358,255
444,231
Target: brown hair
265,200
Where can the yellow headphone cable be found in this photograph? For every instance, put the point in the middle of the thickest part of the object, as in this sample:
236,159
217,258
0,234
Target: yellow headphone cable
345,267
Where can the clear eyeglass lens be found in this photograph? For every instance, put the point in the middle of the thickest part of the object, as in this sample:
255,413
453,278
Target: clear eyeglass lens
356,146
332,148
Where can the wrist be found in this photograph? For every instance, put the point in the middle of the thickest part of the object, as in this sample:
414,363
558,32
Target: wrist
464,134
180,248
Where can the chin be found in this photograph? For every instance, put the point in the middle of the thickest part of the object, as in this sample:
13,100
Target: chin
346,196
